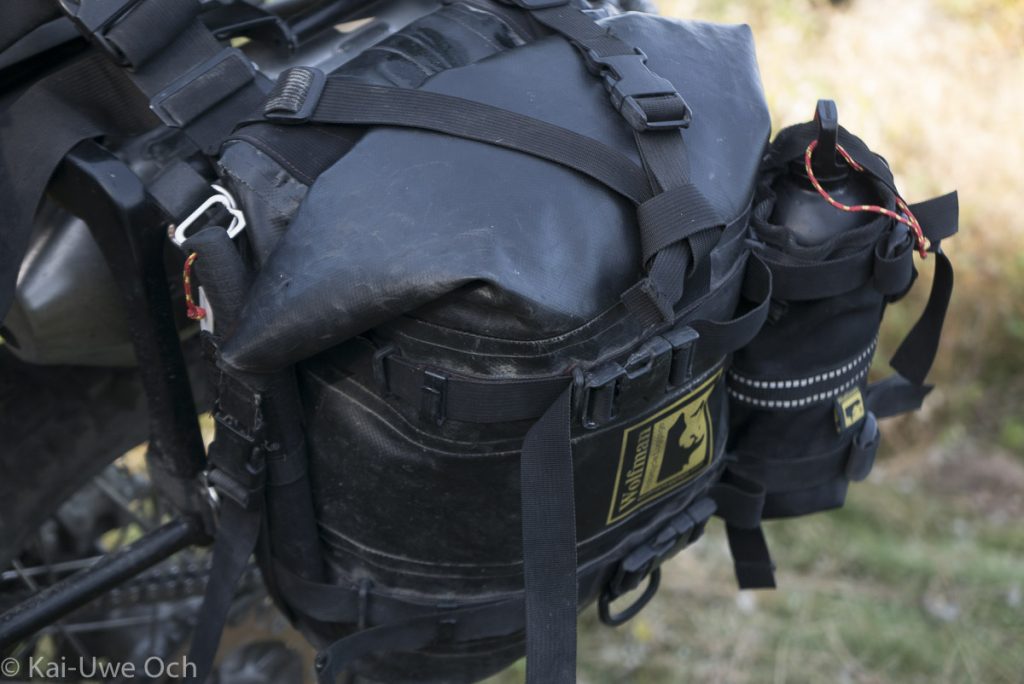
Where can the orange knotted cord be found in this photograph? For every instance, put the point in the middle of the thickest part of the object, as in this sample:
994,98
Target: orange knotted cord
907,219
193,310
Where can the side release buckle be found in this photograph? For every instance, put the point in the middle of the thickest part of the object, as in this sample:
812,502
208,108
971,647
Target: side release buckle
647,101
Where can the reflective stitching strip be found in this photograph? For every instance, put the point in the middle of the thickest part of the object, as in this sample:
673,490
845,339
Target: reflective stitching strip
804,382
798,403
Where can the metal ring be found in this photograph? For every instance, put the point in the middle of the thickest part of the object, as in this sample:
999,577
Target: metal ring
604,604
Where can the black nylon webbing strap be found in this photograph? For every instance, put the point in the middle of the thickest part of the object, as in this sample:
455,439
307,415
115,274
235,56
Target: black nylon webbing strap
348,102
674,215
238,474
450,396
237,532
549,546
915,355
739,502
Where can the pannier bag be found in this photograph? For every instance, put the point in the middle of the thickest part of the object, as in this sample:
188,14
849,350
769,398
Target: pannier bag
508,307
504,376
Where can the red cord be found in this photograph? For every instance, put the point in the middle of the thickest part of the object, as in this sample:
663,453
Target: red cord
192,310
907,218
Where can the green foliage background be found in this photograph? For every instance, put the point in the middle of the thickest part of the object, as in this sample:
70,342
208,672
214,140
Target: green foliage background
921,577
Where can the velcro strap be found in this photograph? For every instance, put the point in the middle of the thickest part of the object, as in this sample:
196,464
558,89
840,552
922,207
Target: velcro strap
913,359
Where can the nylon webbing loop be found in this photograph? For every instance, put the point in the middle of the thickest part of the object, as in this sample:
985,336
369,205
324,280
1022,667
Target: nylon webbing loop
740,501
447,396
720,338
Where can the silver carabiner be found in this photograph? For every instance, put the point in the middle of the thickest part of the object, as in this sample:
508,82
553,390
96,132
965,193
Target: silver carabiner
222,197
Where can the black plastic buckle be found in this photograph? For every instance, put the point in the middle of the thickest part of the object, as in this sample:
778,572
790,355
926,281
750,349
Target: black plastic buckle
296,95
434,397
684,344
596,395
630,83
863,449
95,17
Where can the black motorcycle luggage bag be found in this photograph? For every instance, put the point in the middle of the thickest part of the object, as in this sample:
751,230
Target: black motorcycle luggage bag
424,274
516,247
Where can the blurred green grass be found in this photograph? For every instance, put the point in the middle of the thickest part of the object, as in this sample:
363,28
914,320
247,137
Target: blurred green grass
920,578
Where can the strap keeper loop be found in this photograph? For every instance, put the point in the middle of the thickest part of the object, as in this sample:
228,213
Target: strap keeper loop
434,397
596,394
296,95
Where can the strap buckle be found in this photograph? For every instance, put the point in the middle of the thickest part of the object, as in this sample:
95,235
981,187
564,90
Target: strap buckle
647,101
595,402
222,197
95,17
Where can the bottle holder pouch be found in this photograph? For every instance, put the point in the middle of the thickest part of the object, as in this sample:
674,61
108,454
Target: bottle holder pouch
801,423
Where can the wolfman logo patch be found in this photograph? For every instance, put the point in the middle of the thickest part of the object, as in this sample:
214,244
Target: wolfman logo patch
664,451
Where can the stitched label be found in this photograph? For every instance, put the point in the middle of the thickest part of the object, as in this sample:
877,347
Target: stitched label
849,409
664,451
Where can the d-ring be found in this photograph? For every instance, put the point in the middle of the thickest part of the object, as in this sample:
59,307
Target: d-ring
604,604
